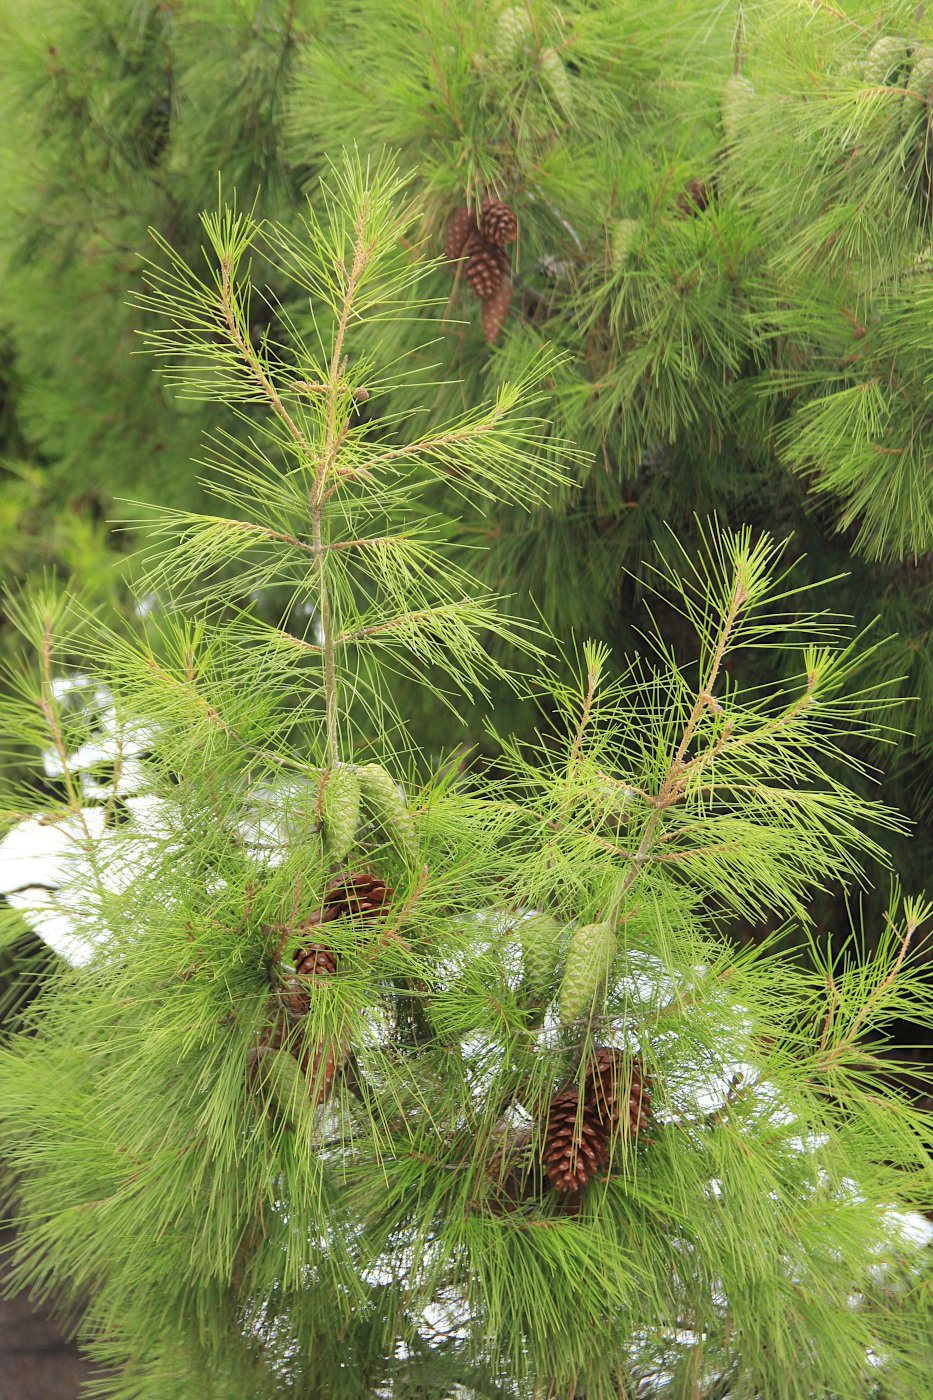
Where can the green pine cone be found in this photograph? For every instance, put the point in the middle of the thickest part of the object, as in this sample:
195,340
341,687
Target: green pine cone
555,75
735,104
622,240
540,938
281,1084
920,89
513,34
340,811
592,952
886,63
385,802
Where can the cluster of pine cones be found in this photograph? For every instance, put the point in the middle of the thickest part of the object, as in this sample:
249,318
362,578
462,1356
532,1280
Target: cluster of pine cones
362,895
577,1133
580,1127
482,243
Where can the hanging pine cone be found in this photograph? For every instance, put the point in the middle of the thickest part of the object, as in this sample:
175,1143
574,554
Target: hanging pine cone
362,894
576,1143
605,1083
495,310
639,1100
695,198
497,222
485,267
315,960
579,1134
516,1176
461,225
311,960
320,1064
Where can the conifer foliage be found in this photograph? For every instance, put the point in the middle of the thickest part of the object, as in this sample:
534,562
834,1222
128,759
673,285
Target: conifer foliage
724,220
379,1085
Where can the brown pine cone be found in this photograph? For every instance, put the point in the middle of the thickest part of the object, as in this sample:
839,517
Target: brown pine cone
696,197
485,267
497,222
362,894
315,960
605,1087
312,960
495,310
320,1064
603,1084
639,1100
578,1136
576,1142
279,1032
461,225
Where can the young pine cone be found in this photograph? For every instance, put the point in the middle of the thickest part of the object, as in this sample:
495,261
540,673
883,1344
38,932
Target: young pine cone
497,222
485,267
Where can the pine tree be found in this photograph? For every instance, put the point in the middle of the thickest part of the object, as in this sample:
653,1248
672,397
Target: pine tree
375,1081
674,173
723,218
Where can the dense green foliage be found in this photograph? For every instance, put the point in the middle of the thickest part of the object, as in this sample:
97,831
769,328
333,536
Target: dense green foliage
269,1172
721,309
735,266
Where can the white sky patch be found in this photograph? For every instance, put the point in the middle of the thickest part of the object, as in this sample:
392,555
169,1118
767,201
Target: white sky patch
39,862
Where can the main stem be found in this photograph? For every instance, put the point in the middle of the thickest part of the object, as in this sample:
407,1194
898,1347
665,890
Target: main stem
327,459
327,634
318,490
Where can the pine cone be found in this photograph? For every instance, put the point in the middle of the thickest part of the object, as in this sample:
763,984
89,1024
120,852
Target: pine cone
605,1086
386,802
279,1033
497,222
339,806
485,268
735,105
461,225
887,62
696,197
320,1065
639,1100
495,310
312,960
540,937
346,895
590,956
579,1135
576,1143
315,960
